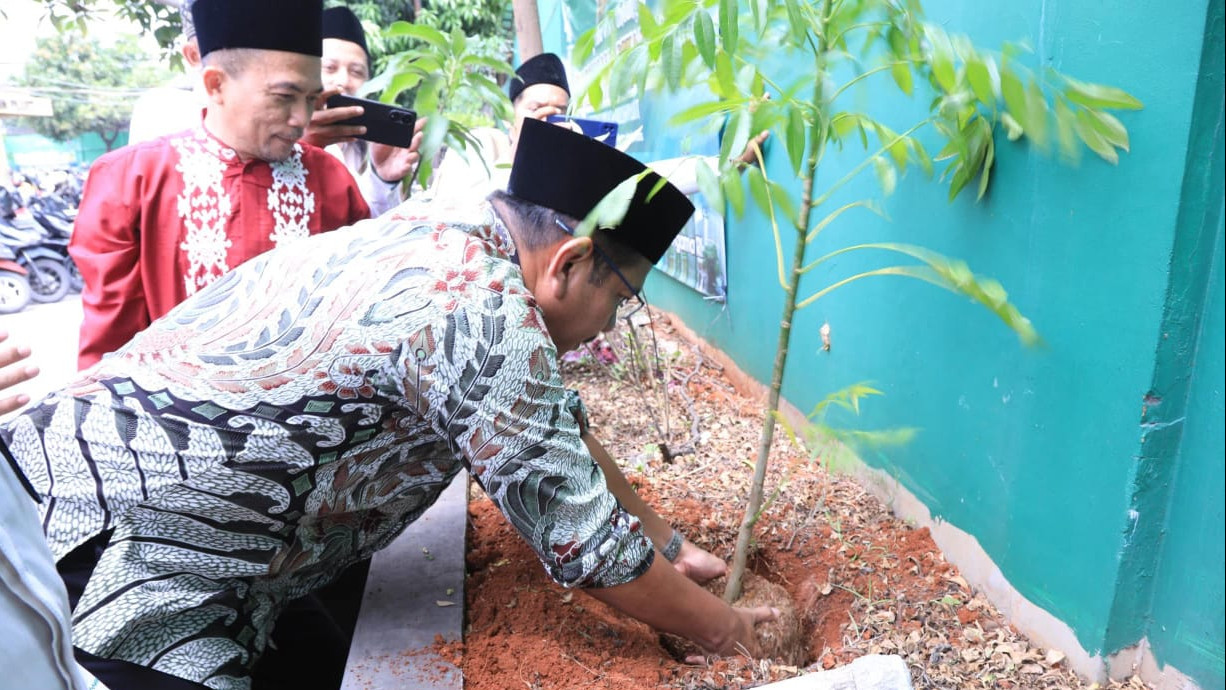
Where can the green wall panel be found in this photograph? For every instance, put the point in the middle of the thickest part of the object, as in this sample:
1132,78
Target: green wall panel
1036,453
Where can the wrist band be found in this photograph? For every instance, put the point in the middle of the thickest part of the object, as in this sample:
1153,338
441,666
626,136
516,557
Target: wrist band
673,547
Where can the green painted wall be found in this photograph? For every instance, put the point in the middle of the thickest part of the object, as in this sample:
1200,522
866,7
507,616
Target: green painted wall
1039,454
1188,616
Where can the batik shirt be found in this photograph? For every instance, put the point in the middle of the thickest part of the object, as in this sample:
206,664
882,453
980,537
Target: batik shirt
163,219
292,419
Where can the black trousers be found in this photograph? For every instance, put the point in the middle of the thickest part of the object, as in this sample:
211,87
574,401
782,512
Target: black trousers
310,643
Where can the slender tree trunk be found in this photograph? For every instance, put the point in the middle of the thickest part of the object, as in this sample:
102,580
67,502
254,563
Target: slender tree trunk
528,29
744,536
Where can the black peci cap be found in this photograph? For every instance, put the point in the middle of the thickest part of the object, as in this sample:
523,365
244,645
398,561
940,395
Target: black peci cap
342,23
545,68
570,173
293,26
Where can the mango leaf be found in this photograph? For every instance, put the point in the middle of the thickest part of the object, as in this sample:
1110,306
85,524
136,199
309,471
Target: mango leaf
953,275
887,175
704,37
985,176
797,26
1036,114
1066,134
611,209
647,23
733,194
834,215
980,78
1099,96
708,184
902,76
846,398
703,111
794,138
941,58
1013,130
1086,128
724,76
437,39
1014,93
584,46
758,190
1111,129
728,25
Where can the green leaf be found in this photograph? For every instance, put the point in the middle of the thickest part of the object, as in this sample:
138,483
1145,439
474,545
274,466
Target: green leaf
757,189
887,176
611,209
1013,130
797,26
702,111
980,78
1036,114
1099,96
728,25
1087,129
437,39
941,58
795,139
1014,93
708,184
704,37
584,46
733,193
984,176
647,23
1111,129
1066,134
902,76
724,76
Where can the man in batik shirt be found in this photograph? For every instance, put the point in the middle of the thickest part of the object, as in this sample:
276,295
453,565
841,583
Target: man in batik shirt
162,219
291,419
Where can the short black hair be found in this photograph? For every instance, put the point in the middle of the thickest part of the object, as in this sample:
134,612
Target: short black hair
539,228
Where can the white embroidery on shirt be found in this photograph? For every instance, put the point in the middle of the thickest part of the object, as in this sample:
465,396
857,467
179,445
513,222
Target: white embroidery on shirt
204,208
289,199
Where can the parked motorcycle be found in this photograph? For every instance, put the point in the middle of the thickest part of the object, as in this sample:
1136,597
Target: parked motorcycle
42,257
14,285
56,218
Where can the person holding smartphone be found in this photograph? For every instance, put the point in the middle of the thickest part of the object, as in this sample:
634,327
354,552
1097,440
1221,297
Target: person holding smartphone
379,169
163,219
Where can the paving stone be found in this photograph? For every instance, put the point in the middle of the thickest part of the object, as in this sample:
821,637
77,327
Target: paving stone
401,611
872,672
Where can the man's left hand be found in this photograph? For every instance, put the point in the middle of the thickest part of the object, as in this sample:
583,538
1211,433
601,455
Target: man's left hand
393,163
697,564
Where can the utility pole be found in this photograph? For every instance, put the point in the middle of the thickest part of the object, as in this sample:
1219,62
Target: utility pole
528,29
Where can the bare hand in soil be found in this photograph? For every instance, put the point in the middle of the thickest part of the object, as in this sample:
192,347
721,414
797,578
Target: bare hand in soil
699,565
746,640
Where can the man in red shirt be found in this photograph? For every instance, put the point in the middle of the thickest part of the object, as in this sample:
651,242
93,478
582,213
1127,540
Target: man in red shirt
160,220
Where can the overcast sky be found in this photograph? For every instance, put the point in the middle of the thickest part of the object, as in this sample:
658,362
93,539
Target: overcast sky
22,21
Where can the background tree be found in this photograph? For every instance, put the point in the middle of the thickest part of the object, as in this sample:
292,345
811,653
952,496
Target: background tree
91,86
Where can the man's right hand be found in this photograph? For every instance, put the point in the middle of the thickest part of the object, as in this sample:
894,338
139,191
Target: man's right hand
324,130
11,374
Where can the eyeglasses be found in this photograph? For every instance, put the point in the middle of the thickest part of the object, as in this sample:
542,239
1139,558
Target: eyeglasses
626,308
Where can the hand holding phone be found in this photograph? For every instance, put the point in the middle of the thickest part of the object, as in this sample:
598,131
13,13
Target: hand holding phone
385,124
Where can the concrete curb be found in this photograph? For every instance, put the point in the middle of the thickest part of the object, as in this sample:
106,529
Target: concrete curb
872,672
415,591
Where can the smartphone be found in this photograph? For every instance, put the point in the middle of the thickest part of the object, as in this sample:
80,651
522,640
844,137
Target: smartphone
385,124
600,130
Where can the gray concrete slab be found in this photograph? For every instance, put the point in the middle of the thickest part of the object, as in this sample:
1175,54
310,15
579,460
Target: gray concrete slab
870,672
415,591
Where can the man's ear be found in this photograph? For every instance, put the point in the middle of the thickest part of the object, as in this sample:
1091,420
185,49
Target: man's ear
213,78
191,53
566,258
